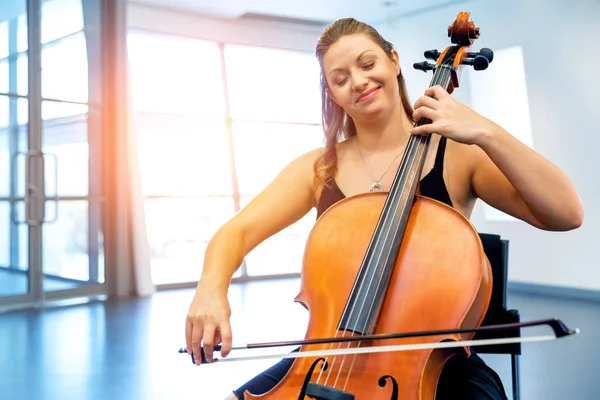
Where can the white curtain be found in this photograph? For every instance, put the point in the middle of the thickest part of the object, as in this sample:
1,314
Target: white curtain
128,263
140,281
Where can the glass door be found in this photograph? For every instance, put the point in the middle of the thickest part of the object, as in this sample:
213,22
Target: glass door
16,285
71,243
51,192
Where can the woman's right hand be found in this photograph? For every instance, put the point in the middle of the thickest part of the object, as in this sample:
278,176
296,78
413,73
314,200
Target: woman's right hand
207,323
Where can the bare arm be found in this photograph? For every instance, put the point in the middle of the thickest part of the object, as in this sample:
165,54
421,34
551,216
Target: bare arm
287,199
506,174
515,179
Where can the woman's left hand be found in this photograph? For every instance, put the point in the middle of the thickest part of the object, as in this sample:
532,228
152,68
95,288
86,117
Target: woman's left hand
449,117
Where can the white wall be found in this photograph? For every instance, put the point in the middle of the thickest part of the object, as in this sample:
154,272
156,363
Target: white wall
559,39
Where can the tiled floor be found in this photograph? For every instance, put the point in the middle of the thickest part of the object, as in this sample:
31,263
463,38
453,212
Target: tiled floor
128,349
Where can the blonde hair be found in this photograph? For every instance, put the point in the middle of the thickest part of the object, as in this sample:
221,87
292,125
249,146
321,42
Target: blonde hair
337,124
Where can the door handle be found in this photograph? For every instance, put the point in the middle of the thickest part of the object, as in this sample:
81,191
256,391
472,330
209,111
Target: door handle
55,197
35,196
32,192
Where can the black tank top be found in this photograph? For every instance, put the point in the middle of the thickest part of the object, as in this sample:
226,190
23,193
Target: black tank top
432,185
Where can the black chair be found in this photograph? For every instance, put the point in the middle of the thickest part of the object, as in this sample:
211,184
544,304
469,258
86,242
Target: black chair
496,250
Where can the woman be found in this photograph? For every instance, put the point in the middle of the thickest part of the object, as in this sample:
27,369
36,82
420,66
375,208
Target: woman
365,103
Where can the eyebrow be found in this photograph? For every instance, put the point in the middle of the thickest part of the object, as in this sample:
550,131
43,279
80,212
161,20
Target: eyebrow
357,58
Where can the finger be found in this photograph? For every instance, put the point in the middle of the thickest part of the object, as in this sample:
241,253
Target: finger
197,333
208,341
426,101
217,339
226,338
189,327
437,91
427,128
424,112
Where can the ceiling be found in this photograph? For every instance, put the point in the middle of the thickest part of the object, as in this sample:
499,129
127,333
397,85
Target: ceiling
314,12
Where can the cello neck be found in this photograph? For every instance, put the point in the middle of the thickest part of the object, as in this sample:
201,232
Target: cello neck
369,290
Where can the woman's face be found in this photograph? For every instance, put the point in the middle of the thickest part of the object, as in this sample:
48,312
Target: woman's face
361,78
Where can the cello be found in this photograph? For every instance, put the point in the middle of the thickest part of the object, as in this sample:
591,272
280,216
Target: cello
389,271
378,263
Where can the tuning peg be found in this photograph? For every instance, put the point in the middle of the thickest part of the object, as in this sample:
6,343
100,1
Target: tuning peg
485,52
479,63
432,54
424,66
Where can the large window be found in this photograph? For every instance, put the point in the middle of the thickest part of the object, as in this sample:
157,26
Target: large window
216,123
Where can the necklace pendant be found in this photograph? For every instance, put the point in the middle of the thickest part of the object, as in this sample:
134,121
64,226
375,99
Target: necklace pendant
375,187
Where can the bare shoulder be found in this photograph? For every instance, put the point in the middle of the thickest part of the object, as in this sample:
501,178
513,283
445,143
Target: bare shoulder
304,165
285,200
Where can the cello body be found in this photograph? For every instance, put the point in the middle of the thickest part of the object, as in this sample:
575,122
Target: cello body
441,279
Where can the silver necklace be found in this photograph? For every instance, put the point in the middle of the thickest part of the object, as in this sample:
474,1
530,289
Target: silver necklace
376,186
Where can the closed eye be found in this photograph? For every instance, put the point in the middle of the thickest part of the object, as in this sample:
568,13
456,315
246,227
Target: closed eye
340,82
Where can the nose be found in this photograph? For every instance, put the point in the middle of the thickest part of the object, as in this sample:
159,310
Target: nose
359,81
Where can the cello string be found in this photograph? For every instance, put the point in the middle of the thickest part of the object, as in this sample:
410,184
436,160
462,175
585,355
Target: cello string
434,82
355,287
382,228
437,79
440,78
351,312
383,231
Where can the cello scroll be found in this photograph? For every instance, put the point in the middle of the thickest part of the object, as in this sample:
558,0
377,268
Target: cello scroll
462,33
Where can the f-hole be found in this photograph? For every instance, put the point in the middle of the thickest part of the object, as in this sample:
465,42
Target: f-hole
382,383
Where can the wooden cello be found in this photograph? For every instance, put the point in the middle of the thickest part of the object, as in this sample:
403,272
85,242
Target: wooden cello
379,263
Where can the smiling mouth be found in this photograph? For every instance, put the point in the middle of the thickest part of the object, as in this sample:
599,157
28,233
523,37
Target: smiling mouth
367,94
